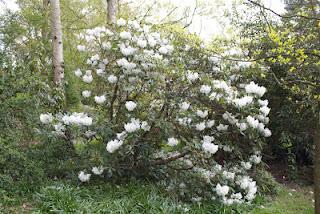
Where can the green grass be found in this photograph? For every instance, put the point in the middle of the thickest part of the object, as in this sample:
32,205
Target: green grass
289,202
136,197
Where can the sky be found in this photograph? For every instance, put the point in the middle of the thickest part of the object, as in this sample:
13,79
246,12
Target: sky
203,25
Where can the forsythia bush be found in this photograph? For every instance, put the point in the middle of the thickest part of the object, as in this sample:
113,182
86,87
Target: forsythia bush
153,102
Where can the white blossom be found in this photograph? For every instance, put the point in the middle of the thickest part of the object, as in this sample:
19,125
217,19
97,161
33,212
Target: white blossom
83,177
267,132
133,126
202,114
114,145
205,89
163,50
264,110
97,170
86,94
210,123
100,99
142,43
208,138
253,88
209,147
222,127
80,119
255,159
172,141
243,101
253,123
184,106
106,46
222,190
46,118
100,72
78,73
125,64
130,105
243,126
263,102
228,175
127,51
192,76
122,135
201,126
121,22
112,79
246,165
125,35
152,42
134,24
87,78
95,58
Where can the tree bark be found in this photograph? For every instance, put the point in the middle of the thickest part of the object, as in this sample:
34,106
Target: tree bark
44,30
317,166
111,7
57,45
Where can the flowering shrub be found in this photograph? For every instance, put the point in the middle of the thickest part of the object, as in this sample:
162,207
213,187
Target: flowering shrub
156,103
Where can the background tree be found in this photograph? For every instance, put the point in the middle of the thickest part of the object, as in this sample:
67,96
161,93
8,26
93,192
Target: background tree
111,7
57,43
290,50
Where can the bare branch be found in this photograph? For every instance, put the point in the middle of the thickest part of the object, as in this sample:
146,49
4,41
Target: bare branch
282,16
173,158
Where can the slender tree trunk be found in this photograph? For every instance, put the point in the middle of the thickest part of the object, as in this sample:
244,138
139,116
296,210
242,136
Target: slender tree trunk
57,46
316,139
111,11
44,30
317,166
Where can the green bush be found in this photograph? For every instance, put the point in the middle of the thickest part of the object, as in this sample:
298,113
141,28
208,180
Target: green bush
18,174
57,157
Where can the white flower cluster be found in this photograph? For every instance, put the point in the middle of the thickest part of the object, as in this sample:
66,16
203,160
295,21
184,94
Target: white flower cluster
191,77
80,119
86,93
130,105
184,106
172,141
114,145
253,88
46,118
208,146
130,127
97,170
100,99
130,68
59,122
83,177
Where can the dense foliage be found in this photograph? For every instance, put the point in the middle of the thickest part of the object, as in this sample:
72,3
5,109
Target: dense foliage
153,102
288,47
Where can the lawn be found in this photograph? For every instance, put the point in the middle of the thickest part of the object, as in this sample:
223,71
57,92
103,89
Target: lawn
59,197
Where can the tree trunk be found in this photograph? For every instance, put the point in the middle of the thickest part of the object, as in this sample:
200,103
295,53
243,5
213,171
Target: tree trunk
57,46
111,11
44,30
317,166
316,178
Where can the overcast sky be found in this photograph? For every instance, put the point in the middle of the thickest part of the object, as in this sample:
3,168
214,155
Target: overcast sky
204,26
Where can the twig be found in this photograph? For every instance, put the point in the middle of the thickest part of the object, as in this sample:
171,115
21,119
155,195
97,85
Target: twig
173,158
282,16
